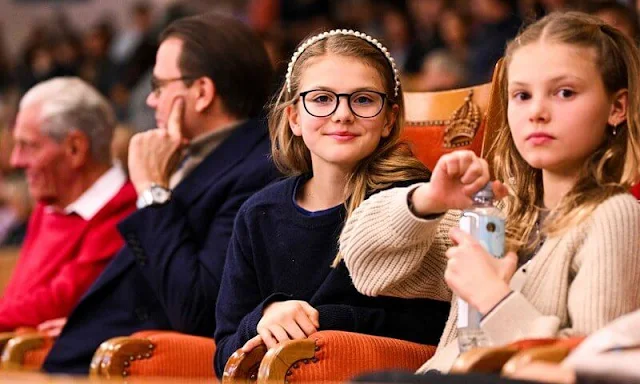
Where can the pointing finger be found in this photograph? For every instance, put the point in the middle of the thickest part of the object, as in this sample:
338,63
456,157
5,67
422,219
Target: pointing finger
174,124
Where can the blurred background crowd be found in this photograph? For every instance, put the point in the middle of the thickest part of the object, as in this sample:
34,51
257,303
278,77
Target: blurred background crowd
438,44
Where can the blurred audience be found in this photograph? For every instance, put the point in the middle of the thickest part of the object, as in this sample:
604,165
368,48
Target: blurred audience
118,61
15,208
441,70
497,22
455,31
617,15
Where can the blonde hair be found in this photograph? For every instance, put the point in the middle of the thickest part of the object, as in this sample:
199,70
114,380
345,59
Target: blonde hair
392,161
610,170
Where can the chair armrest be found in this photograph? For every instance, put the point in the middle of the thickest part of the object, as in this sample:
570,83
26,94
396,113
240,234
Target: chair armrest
4,339
26,352
553,353
492,359
339,356
154,353
483,360
243,367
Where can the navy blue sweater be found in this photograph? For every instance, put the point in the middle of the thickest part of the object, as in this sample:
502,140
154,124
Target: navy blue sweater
279,252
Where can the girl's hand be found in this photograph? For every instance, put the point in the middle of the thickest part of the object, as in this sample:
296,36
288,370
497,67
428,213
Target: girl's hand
474,275
287,320
252,343
456,177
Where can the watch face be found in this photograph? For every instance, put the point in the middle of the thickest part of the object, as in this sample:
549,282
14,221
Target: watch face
159,194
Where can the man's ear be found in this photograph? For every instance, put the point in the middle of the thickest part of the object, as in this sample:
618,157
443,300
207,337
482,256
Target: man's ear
392,116
77,148
205,92
618,113
294,119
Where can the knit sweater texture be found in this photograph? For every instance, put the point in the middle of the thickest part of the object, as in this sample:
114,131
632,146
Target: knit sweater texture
577,283
61,257
278,252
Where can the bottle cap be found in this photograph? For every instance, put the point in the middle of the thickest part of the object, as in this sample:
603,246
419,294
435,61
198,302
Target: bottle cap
486,192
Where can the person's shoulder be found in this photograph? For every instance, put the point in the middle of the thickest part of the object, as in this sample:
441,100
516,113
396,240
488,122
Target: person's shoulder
275,193
622,205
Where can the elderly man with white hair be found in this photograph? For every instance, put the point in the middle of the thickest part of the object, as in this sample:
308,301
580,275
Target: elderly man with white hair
62,138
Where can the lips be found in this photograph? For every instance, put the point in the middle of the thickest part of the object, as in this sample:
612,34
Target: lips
539,138
342,136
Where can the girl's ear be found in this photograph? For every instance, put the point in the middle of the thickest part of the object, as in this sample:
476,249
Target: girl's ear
618,113
390,120
294,119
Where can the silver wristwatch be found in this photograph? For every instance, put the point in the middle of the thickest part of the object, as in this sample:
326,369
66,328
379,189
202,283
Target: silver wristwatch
154,195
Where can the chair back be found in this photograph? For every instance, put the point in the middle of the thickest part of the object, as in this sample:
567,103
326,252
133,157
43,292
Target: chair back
8,260
437,123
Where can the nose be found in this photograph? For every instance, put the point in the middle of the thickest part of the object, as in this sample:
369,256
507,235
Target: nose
343,113
18,159
152,100
538,110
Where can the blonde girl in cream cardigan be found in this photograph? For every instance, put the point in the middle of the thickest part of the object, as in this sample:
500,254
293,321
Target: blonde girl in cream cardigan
567,150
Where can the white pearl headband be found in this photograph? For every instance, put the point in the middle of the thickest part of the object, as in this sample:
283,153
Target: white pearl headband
351,32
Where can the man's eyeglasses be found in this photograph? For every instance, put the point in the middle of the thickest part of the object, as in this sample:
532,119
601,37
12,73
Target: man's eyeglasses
157,84
323,103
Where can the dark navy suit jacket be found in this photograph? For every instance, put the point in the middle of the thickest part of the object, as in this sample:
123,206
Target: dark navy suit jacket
168,273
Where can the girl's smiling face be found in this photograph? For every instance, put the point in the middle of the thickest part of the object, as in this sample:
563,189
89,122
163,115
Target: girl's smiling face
341,139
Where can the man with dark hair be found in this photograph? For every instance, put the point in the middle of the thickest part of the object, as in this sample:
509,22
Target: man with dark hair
208,155
620,16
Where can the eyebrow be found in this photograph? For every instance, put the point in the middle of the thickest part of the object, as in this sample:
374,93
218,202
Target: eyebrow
321,88
556,79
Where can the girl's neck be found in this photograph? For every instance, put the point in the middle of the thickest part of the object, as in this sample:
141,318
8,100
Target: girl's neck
556,186
324,190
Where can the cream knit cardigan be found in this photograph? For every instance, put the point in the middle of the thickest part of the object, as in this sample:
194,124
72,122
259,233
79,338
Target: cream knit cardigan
576,284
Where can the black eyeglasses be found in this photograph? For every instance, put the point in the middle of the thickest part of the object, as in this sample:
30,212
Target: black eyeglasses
157,84
323,103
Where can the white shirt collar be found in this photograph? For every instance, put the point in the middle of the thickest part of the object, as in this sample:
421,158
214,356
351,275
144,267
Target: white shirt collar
99,194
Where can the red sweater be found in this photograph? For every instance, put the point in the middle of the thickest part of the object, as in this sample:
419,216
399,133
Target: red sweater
61,257
636,191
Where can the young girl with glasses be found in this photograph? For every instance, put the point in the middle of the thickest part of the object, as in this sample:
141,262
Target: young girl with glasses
335,131
568,149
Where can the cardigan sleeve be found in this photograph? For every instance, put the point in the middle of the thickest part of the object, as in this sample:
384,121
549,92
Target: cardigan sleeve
605,286
389,251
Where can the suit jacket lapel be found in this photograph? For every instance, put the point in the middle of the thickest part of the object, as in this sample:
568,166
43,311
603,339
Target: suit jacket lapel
221,160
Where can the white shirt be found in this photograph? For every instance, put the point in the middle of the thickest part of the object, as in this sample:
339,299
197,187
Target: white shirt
98,195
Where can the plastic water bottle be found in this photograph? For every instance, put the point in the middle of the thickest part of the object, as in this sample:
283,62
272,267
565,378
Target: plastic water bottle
484,222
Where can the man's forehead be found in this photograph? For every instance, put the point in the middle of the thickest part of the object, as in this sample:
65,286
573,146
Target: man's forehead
168,56
28,120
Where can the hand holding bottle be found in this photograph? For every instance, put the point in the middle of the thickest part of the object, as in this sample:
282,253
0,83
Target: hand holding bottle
456,177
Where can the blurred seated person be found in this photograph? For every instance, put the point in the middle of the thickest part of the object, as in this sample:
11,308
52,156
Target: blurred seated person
15,204
620,16
610,355
120,145
62,140
441,70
